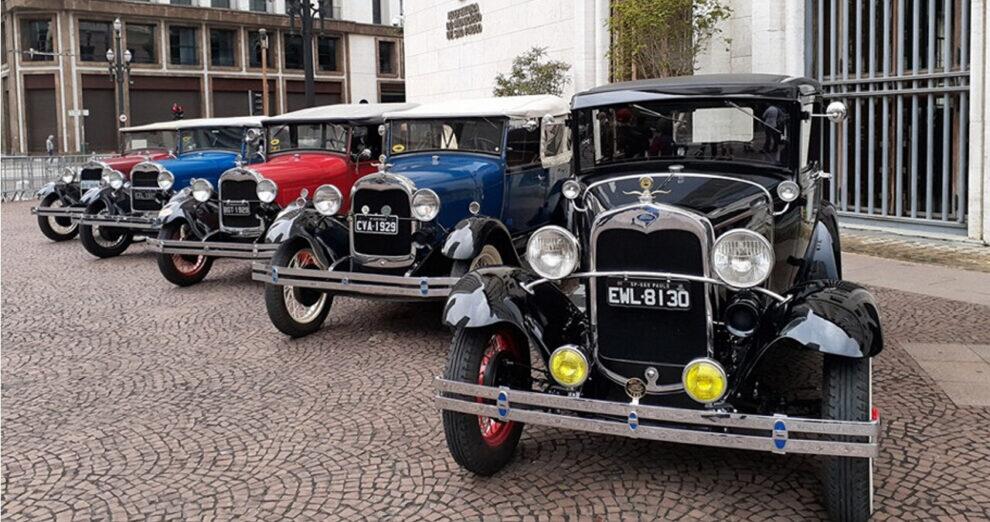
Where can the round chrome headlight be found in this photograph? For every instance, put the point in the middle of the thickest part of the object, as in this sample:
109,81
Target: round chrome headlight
68,175
327,200
201,190
742,258
571,189
114,178
267,190
788,191
425,204
553,252
165,180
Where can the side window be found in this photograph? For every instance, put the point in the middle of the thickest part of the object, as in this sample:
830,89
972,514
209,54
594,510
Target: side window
366,137
523,147
555,143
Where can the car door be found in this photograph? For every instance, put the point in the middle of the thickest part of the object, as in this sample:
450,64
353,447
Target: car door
526,181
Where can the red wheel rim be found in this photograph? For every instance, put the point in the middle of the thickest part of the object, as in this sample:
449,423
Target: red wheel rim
186,265
495,432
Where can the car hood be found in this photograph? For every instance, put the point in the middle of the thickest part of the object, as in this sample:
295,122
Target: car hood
207,165
125,162
458,179
294,172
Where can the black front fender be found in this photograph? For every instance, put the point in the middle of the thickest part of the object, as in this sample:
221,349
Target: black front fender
326,236
105,194
496,295
833,317
467,239
67,192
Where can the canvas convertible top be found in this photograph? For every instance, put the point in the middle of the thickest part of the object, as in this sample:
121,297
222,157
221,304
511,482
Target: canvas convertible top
241,121
701,85
521,107
354,112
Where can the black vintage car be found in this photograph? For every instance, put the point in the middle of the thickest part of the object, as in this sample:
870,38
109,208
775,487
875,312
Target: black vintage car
693,295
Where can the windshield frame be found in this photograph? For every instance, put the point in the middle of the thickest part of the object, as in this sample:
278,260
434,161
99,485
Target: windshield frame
502,121
268,128
182,150
126,135
788,167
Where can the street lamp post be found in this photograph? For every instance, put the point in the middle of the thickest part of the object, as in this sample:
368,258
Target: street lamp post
119,67
263,41
308,12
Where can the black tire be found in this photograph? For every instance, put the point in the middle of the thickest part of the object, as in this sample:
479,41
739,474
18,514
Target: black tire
275,295
466,439
181,270
117,239
45,222
847,481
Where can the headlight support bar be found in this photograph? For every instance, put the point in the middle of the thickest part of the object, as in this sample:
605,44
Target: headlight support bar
658,275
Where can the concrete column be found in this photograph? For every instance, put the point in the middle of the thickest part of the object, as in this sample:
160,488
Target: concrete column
979,118
778,37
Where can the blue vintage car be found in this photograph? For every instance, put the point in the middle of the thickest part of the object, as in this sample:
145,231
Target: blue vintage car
206,148
463,186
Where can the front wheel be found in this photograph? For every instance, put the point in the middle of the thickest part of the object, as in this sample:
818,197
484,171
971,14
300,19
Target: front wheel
847,481
495,356
103,241
56,228
296,312
179,269
488,256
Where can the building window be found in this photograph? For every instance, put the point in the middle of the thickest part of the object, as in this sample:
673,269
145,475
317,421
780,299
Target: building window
37,35
182,46
254,49
387,58
223,47
328,49
94,40
141,42
181,2
293,51
376,11
222,4
258,5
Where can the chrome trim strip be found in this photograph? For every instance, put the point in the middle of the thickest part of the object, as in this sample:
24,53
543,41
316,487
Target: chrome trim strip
659,275
683,434
356,283
214,248
136,222
70,212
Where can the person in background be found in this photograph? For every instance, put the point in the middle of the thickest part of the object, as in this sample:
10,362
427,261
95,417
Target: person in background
50,145
774,118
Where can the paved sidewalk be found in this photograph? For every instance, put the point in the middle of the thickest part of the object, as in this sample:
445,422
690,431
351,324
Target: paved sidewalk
964,254
933,280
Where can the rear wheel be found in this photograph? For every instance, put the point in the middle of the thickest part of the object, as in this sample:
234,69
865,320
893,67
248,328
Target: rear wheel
103,241
296,312
495,356
179,269
847,481
56,228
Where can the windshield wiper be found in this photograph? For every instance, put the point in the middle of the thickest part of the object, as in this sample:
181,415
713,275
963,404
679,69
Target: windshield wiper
736,106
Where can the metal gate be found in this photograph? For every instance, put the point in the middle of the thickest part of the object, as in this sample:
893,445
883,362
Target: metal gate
902,68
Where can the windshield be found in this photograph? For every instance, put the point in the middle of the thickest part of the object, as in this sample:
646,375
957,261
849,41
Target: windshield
228,138
714,130
135,141
307,136
482,135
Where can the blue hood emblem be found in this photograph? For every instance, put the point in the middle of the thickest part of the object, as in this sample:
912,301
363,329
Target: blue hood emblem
648,216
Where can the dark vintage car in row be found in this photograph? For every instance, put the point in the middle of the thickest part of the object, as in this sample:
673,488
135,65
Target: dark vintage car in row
331,145
123,206
62,200
465,184
693,294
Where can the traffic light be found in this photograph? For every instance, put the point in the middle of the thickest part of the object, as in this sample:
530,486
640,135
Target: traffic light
257,103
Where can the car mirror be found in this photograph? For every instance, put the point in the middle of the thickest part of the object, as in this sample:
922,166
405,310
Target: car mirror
532,124
836,112
365,154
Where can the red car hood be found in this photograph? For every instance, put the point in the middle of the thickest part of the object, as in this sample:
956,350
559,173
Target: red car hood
126,162
294,172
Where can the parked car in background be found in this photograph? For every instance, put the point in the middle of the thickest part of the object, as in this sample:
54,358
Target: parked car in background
694,294
465,185
120,208
332,145
61,200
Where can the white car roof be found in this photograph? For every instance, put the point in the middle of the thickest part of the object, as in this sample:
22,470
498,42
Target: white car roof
523,107
341,111
240,121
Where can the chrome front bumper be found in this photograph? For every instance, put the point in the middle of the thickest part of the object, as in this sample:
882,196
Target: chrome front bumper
133,222
70,212
777,433
355,283
214,248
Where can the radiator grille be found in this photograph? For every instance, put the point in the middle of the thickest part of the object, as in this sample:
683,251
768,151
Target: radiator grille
397,200
240,191
144,191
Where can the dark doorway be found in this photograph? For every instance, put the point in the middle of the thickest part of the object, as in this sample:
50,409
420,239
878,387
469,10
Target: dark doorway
41,113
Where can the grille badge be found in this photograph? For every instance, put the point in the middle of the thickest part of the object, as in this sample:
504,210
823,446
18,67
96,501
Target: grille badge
386,210
365,209
635,388
647,217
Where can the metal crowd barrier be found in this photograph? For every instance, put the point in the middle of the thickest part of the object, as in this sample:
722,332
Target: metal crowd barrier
22,176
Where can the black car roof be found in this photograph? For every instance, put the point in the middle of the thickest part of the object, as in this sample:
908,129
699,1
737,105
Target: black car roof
707,85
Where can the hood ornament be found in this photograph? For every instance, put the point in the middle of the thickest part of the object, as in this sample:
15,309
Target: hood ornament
645,194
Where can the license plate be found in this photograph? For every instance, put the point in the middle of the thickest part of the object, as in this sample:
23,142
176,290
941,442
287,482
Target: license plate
144,195
87,184
237,209
375,224
648,293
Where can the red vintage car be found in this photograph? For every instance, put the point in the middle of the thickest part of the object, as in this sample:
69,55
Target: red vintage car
328,146
62,200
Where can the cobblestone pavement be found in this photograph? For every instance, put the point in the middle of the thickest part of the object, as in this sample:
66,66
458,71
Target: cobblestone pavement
125,397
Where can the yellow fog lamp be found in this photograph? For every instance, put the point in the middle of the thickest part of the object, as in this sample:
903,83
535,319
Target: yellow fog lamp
704,380
569,366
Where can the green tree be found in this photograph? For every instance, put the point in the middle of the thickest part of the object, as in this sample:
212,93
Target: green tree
532,73
661,38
